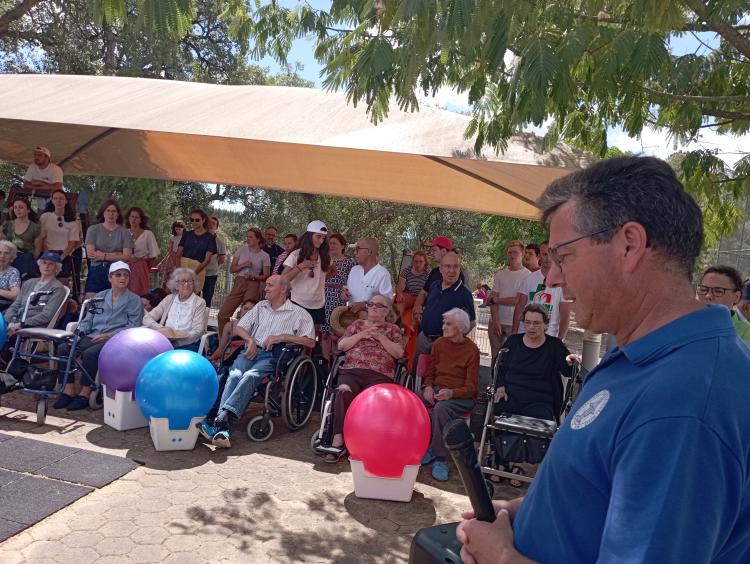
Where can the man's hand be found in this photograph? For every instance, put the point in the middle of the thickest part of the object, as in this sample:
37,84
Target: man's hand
490,542
572,359
271,341
496,327
501,394
346,295
429,395
444,394
252,349
101,338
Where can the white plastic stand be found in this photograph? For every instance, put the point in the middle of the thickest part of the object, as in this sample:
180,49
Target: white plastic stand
374,487
121,412
165,438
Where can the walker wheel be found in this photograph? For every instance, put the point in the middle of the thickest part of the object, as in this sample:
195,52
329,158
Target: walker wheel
96,399
260,428
41,410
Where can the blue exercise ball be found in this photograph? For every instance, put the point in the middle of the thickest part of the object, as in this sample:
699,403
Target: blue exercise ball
3,332
177,385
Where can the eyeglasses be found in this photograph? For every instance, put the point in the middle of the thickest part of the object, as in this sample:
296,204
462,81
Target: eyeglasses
196,219
553,251
376,305
357,249
715,291
184,282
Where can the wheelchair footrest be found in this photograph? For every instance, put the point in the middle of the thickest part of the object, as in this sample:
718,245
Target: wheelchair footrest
522,425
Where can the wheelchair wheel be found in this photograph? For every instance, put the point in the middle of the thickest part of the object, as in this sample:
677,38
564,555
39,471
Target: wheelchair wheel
300,388
490,488
260,428
41,410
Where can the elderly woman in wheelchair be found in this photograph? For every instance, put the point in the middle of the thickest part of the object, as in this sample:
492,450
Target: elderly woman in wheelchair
120,309
529,379
371,346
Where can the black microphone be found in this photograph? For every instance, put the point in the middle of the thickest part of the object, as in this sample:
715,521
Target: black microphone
460,443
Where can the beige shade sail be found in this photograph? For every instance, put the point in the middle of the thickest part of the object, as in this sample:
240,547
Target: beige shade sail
278,138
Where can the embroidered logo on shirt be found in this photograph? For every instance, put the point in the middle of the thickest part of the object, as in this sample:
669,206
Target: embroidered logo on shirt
589,411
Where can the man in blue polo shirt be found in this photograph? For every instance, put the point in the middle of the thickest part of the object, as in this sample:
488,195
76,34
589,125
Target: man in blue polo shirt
652,463
443,295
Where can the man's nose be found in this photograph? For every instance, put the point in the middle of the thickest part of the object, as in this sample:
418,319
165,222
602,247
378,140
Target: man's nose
555,276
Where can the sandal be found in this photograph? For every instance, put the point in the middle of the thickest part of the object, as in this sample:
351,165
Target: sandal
518,471
334,457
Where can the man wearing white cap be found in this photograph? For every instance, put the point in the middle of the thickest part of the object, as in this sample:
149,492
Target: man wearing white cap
43,174
306,269
121,309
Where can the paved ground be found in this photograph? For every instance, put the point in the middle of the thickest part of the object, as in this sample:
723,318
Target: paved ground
267,502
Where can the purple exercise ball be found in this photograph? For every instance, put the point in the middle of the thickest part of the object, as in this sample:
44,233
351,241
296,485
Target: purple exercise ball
125,354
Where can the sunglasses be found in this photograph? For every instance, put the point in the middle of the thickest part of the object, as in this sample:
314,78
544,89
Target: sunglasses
196,219
59,222
376,305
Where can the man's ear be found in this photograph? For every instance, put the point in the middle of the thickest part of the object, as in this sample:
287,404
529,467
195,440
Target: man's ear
633,245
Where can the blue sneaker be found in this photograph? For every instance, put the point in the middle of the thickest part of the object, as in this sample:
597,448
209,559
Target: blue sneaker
428,457
440,470
207,430
221,440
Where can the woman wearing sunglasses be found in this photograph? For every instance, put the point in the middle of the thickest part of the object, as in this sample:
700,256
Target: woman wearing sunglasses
722,285
196,248
307,267
372,347
61,232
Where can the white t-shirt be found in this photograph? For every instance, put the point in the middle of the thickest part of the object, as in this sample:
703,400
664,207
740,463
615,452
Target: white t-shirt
363,286
536,291
180,316
145,245
56,238
506,286
51,173
307,291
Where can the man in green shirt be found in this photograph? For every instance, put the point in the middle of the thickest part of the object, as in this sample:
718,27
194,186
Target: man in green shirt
723,285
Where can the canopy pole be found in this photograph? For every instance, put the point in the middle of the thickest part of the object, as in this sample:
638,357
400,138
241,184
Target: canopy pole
86,145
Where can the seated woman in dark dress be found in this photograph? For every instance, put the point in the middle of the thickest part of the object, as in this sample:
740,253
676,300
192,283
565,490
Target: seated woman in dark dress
530,378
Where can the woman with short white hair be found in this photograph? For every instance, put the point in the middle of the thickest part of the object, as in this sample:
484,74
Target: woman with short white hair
450,385
10,278
182,316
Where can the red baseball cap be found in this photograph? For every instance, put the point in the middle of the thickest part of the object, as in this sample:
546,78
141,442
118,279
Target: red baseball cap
441,241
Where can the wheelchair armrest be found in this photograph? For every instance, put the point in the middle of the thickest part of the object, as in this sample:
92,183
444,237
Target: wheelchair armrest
204,341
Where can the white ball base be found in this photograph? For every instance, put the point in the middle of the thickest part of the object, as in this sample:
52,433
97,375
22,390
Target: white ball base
165,438
374,487
120,410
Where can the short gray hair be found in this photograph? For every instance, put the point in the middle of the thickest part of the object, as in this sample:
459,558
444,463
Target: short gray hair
58,265
12,249
645,190
172,282
461,317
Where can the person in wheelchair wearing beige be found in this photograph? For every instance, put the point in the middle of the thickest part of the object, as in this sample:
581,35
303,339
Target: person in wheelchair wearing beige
182,316
450,385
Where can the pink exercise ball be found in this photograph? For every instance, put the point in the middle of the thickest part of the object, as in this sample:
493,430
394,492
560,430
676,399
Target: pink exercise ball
387,427
125,354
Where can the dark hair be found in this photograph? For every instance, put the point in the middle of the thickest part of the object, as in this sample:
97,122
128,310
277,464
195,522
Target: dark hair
534,247
161,292
139,211
258,235
176,224
306,249
203,215
731,273
153,298
272,227
68,213
339,237
293,236
104,206
32,214
536,308
646,190
216,219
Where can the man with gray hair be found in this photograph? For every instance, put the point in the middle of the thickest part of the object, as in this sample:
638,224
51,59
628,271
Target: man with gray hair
652,463
266,328
367,277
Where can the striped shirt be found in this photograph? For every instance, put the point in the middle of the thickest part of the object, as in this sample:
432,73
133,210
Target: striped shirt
263,321
414,282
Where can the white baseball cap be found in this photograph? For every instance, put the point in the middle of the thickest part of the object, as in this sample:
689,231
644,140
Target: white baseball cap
119,265
317,226
44,150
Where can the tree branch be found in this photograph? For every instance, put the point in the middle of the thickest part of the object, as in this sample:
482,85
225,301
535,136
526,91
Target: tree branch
734,116
699,99
690,26
730,33
15,14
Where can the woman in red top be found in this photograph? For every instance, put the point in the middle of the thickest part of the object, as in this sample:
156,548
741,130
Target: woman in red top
372,346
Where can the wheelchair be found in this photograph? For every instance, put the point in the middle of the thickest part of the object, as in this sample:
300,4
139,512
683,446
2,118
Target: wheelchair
522,439
290,392
321,440
23,373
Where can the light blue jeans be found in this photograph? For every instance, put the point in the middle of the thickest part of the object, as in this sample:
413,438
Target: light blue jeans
243,379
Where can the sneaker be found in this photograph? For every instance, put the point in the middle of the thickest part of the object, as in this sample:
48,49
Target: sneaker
78,403
63,401
221,440
207,430
440,470
428,457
